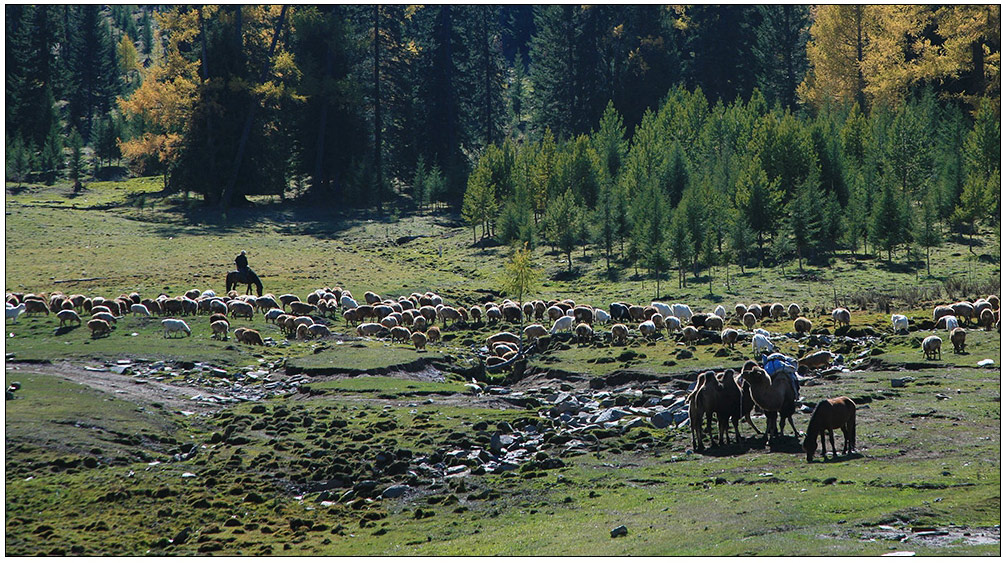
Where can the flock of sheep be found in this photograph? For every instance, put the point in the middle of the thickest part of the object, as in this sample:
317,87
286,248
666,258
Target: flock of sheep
413,318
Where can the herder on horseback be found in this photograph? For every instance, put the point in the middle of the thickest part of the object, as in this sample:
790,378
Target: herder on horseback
243,274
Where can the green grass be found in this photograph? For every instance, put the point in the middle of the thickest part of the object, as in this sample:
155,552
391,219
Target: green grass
81,476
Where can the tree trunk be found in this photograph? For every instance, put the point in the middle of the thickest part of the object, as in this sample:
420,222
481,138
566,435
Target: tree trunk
319,181
378,164
228,193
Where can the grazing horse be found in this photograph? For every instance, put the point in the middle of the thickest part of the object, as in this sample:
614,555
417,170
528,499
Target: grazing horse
829,415
247,277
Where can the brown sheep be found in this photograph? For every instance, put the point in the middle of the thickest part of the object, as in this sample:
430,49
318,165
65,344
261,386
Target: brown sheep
988,319
534,331
539,310
419,341
301,308
583,314
35,306
554,313
98,327
740,309
802,325
400,333
302,333
729,337
369,329
794,311
430,313
241,309
619,333
220,329
932,347
957,338
502,337
942,311
528,309
636,313
249,336
433,334
776,311
689,334
217,317
370,297
583,333
476,312
756,310
749,320
419,324
993,300
714,322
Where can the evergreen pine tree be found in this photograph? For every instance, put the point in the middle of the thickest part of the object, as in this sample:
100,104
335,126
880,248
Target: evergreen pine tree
890,222
927,233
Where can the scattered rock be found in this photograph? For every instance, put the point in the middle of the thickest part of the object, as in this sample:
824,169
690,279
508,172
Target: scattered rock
395,491
619,531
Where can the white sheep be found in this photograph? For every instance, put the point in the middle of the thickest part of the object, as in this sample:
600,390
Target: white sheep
663,308
682,311
272,314
761,342
841,316
175,325
14,312
900,322
319,331
564,323
672,323
647,329
950,322
347,302
720,312
139,309
208,293
931,347
601,316
762,332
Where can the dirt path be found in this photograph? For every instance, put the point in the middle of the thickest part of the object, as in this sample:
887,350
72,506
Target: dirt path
126,387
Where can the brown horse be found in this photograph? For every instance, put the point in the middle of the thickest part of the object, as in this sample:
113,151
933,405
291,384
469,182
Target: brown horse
828,415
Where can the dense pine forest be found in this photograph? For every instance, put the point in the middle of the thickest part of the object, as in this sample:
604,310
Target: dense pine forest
660,137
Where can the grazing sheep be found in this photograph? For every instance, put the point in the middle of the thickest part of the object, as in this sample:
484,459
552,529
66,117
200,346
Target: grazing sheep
419,324
776,311
370,297
14,312
964,311
841,316
957,338
217,317
419,341
266,302
802,325
241,309
100,309
816,360
192,294
450,314
272,314
749,320
740,309
346,301
619,333
369,329
249,336
528,309
534,331
98,327
539,310
502,337
794,311
504,348
400,333
637,313
714,322
657,320
931,347
220,329
564,324
433,334
755,310
67,316
584,333
319,331
942,311
389,322
899,322
476,313
698,320
690,334
601,316
980,306
948,322
759,343
107,317
993,300
619,312
663,308
583,314
493,315
720,312
554,313
682,311
647,329
175,325
35,306
729,337
139,309
672,323
987,319
301,308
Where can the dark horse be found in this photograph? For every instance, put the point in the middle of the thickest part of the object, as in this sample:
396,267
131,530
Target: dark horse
247,277
828,415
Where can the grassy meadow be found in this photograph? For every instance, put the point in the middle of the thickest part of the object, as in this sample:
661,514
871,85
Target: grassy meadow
99,471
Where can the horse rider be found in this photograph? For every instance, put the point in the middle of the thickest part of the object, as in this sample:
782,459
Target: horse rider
242,263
